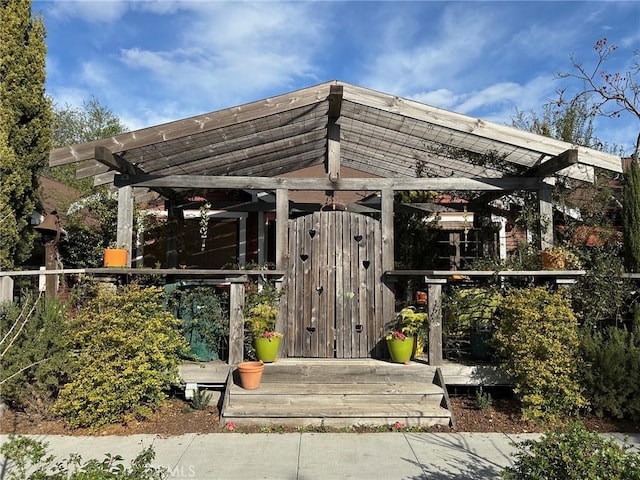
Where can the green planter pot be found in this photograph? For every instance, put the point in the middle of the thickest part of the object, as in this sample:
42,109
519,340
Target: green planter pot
267,348
400,350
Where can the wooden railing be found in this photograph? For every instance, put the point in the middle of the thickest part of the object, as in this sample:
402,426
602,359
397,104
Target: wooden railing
435,279
236,279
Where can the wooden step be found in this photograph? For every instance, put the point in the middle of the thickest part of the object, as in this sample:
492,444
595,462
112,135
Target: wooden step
338,416
345,372
338,394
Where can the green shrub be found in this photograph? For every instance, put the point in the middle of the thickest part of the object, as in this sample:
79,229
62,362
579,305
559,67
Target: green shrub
29,455
35,354
473,309
573,454
601,296
128,350
611,371
538,340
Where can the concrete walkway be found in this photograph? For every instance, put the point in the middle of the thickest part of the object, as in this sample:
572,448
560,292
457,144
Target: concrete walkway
309,456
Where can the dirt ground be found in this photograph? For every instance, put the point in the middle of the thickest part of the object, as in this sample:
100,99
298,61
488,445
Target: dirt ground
177,417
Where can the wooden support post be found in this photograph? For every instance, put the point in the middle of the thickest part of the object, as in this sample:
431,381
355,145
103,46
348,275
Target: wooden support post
6,289
124,236
50,263
262,242
282,221
388,259
236,322
546,213
434,299
172,234
242,244
282,257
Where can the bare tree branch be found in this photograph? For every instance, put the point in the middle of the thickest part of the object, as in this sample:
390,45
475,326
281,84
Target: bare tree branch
610,94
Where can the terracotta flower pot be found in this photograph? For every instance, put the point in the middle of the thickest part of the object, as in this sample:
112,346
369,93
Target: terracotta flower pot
267,348
400,350
250,374
115,257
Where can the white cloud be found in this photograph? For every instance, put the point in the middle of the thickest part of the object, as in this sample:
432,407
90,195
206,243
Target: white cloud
442,98
93,11
436,55
230,50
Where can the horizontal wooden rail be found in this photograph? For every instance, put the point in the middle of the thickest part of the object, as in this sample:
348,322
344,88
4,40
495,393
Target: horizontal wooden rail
176,272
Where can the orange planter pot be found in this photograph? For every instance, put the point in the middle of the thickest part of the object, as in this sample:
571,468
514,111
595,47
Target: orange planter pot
250,374
115,257
551,261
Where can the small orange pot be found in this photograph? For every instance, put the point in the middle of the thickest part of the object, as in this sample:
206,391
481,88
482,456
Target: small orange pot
250,374
115,257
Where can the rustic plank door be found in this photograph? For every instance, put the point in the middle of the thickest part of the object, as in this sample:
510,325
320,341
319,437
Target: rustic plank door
334,286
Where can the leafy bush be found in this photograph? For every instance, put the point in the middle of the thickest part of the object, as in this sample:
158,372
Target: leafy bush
611,371
573,454
29,455
35,354
538,338
473,309
128,349
603,298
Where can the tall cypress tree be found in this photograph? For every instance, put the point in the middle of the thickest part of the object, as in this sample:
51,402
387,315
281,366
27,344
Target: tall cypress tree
25,124
631,216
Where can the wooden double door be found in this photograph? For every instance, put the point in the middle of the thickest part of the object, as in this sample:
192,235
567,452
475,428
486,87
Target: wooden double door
333,306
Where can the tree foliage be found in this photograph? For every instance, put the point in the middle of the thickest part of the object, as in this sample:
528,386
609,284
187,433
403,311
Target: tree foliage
570,123
25,125
631,216
72,125
83,247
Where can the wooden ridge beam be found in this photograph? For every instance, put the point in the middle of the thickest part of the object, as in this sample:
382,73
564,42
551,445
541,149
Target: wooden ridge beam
335,100
318,184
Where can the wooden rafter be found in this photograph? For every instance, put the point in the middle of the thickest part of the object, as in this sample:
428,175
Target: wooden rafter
566,159
115,162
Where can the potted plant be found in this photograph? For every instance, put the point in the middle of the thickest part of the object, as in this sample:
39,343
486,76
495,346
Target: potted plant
402,336
559,258
262,322
115,255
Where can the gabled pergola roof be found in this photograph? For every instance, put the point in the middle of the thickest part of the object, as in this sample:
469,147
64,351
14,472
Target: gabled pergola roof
384,135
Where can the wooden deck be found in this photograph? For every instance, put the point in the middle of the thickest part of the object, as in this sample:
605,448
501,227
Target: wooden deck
214,374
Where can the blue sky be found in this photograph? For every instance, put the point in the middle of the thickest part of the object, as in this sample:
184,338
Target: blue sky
152,62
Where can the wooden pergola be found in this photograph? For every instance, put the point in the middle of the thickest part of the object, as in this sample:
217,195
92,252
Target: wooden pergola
337,126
